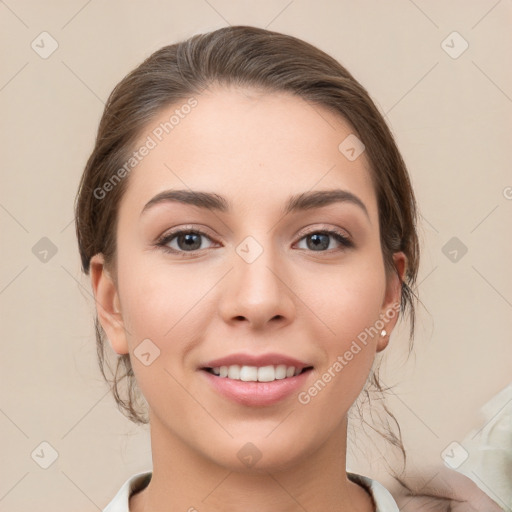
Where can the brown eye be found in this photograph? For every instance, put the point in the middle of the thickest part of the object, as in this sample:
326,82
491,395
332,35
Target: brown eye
183,241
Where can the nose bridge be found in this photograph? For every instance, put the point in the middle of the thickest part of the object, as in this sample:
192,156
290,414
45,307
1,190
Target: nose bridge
256,289
253,266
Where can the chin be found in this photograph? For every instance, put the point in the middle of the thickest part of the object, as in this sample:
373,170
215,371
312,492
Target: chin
261,454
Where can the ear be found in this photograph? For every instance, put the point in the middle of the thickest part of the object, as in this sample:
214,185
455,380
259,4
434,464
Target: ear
390,306
108,306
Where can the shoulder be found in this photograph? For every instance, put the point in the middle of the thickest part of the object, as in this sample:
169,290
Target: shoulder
382,498
120,502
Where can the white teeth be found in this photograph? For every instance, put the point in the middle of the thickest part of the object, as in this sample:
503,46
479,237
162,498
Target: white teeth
255,373
249,373
266,374
234,371
281,371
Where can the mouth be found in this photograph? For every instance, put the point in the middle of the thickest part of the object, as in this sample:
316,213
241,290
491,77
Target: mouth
256,380
269,373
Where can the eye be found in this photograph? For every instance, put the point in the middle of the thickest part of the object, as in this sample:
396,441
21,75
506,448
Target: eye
184,240
319,241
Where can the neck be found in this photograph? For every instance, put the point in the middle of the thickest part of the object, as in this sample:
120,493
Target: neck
184,480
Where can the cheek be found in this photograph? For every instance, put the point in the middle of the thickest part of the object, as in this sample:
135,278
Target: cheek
158,305
350,311
348,300
349,352
165,305
154,297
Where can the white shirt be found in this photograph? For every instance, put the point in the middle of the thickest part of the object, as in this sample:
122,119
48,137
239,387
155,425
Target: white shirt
384,502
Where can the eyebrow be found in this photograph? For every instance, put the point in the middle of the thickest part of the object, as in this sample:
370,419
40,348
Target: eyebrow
298,202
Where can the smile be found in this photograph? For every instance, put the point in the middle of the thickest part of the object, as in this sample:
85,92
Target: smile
256,380
268,373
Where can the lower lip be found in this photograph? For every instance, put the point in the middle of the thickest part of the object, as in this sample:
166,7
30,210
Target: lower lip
257,393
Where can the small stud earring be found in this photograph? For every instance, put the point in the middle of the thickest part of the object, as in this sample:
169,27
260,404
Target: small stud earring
383,332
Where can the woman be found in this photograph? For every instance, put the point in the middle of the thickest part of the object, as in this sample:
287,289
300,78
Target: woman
249,227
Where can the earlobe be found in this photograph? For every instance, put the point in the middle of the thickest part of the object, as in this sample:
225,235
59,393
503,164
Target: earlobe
383,342
108,306
391,306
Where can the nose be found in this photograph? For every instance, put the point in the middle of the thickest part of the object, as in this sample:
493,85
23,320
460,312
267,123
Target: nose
258,292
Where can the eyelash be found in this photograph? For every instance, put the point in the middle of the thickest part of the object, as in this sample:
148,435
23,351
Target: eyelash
168,237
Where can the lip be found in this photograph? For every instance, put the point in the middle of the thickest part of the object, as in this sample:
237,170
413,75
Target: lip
244,359
256,393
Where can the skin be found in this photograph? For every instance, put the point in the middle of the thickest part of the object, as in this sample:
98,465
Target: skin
255,149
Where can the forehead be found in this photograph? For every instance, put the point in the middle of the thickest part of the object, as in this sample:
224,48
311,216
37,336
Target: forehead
249,145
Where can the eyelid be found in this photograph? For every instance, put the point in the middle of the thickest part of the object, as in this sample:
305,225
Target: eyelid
338,233
183,228
168,236
343,239
314,228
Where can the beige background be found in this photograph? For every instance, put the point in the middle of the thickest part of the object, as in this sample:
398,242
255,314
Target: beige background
452,120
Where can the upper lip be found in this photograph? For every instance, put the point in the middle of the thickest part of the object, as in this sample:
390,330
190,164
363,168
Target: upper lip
256,360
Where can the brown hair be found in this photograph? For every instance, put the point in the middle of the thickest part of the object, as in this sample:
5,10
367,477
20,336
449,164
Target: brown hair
252,57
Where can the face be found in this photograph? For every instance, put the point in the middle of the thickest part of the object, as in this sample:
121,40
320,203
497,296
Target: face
275,273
